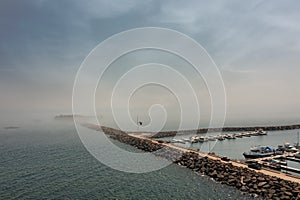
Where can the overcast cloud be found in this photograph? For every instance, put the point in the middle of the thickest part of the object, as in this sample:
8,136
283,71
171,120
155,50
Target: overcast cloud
255,44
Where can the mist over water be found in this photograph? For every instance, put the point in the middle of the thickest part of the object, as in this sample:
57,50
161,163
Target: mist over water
254,47
38,119
48,160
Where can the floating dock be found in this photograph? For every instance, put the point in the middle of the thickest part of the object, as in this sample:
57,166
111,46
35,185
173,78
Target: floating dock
291,169
292,159
287,156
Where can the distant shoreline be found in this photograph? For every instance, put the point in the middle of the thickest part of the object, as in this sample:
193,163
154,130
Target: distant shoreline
67,116
11,127
163,134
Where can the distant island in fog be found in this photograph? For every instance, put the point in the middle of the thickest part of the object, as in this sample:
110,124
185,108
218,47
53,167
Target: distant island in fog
11,127
68,116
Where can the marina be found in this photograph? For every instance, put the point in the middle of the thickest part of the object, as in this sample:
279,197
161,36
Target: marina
221,137
275,150
246,176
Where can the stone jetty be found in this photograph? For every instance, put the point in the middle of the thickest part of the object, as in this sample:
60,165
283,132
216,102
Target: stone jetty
243,178
145,145
246,180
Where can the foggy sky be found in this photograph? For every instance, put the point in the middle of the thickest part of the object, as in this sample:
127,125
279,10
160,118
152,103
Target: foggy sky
255,44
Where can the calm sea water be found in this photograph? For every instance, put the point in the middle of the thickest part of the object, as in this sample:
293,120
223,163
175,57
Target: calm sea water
46,160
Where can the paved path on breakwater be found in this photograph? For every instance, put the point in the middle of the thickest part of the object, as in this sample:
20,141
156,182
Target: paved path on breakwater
212,157
265,183
237,164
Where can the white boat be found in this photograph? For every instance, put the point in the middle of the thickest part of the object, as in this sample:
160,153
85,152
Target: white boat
290,148
221,137
186,139
194,139
178,141
247,134
261,132
203,139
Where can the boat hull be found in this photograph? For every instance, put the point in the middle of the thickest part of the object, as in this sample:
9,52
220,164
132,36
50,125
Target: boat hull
263,155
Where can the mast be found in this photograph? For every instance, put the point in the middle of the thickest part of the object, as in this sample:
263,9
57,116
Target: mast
298,139
137,122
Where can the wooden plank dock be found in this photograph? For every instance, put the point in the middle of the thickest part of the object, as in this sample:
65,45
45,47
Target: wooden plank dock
286,156
292,159
291,169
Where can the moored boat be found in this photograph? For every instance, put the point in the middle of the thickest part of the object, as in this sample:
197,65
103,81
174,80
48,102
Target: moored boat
259,152
221,138
178,141
194,139
290,148
230,136
186,139
247,134
203,139
261,132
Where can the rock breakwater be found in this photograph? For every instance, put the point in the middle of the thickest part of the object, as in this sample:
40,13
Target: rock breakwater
143,144
245,179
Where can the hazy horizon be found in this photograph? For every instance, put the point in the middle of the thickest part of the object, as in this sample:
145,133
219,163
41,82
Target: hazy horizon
255,45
